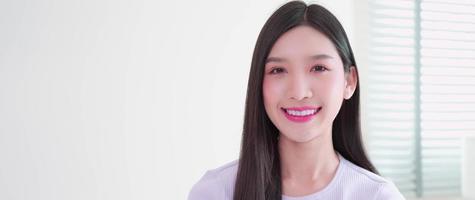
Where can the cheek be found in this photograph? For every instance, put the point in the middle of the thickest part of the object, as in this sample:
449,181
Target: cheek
333,88
271,91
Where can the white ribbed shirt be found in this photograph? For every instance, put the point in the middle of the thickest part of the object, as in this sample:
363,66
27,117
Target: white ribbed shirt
349,182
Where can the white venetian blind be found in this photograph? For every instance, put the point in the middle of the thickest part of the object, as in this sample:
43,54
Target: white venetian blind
421,92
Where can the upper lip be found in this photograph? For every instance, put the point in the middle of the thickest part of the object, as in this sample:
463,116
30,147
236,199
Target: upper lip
302,108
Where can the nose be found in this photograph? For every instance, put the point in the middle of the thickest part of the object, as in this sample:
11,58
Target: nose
299,88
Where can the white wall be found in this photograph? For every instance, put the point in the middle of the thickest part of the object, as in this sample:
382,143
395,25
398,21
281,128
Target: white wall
468,167
123,99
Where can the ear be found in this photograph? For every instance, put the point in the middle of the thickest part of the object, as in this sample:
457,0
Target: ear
351,80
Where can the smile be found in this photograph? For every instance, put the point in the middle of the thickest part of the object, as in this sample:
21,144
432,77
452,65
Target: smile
300,114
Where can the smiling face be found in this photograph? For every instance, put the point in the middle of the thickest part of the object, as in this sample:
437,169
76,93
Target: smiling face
304,84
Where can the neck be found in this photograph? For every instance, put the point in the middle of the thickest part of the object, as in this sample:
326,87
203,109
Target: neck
310,161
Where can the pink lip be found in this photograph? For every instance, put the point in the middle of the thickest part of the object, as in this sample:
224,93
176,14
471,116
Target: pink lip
299,118
302,108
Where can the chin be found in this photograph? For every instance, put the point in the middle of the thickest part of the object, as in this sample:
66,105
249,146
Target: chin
301,138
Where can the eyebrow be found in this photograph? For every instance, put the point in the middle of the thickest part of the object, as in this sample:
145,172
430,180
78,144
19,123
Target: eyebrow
314,57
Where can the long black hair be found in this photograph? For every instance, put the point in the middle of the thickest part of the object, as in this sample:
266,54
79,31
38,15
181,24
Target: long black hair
258,176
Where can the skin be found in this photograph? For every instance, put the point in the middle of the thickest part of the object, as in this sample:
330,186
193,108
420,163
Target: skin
308,160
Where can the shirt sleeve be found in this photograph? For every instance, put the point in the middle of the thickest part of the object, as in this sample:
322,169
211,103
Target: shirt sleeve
388,191
207,188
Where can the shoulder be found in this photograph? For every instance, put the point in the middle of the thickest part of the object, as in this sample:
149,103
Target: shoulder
369,184
216,183
388,191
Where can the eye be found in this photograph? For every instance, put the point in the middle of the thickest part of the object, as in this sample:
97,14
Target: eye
319,68
276,70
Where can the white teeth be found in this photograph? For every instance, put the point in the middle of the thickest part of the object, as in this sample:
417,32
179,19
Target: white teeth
301,113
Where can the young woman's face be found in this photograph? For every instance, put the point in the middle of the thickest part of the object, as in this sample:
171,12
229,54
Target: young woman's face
305,84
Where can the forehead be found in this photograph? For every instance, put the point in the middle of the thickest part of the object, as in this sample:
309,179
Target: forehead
302,41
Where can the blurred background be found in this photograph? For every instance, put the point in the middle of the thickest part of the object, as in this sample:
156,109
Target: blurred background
137,99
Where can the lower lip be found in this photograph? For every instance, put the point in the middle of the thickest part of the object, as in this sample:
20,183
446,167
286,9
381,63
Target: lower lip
300,119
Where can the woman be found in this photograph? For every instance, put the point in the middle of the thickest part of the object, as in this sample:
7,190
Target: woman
302,136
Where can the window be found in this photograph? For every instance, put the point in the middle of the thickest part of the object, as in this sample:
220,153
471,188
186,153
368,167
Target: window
421,92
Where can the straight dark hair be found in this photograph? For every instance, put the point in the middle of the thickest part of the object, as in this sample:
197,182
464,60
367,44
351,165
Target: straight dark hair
258,176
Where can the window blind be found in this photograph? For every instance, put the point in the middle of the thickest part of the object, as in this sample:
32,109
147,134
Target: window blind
421,92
